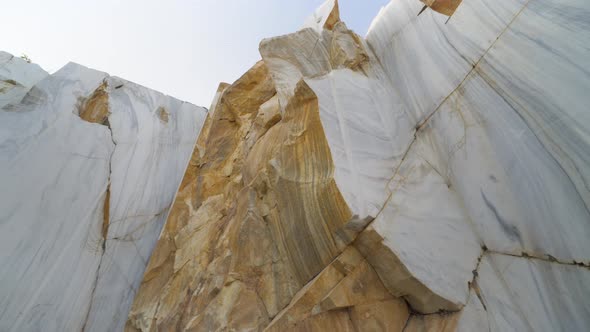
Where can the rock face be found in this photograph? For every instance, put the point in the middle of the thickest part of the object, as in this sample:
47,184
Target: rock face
432,176
17,76
89,167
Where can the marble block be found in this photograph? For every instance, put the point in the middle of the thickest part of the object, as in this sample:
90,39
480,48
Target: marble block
17,76
422,244
496,97
90,165
365,145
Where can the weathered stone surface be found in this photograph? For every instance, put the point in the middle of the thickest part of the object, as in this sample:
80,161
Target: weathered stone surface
92,172
17,76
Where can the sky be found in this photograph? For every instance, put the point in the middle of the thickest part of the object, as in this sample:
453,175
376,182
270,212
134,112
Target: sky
182,48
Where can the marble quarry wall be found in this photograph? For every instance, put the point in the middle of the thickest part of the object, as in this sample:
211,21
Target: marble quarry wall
430,176
89,167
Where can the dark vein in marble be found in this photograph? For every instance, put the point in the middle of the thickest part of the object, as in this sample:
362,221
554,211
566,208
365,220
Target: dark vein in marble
510,230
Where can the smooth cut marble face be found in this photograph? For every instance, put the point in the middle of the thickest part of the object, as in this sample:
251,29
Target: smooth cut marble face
497,97
87,200
365,145
55,171
17,76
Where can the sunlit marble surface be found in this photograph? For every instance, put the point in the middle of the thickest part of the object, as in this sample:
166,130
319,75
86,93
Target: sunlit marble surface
17,76
425,225
458,134
516,193
147,165
57,272
50,224
365,145
426,59
498,94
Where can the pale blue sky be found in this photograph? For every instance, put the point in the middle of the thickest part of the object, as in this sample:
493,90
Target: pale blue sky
180,47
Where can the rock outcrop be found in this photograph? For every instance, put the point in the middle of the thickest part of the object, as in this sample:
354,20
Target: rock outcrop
89,168
431,176
17,77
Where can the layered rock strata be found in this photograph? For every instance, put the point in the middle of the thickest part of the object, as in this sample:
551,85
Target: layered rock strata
431,176
89,167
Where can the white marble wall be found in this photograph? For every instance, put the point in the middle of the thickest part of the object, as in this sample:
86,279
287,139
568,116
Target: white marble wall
57,273
457,136
368,132
17,76
499,95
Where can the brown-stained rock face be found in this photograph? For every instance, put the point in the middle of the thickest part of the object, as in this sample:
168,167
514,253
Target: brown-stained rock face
445,7
255,220
95,109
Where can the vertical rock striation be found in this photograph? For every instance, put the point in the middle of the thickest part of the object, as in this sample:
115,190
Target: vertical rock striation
88,171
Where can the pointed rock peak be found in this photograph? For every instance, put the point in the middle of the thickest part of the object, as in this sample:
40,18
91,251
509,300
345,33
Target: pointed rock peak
445,7
325,17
